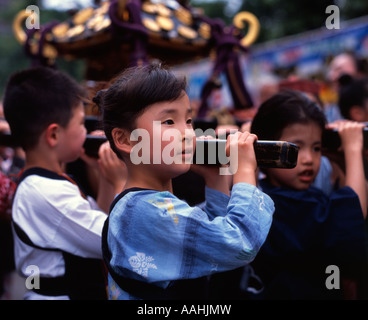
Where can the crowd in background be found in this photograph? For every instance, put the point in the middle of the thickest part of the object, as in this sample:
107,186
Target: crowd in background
347,77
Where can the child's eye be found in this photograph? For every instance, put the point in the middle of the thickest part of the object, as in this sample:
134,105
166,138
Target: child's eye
189,121
168,122
317,149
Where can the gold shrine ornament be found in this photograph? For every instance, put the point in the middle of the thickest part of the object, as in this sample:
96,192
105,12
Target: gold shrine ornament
187,32
165,23
253,29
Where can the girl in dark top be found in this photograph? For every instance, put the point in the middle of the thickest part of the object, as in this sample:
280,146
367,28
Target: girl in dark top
310,230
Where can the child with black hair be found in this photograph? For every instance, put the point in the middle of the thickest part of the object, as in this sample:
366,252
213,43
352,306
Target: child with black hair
310,230
353,98
57,229
155,245
353,104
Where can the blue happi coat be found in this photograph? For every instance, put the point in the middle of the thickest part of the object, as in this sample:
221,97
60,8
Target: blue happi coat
152,240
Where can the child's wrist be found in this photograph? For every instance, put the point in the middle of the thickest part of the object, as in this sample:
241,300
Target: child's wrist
220,183
353,150
246,175
214,181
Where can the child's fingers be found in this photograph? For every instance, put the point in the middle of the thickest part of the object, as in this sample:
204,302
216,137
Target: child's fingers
206,137
247,137
351,128
90,161
342,125
231,140
238,139
351,134
107,155
242,137
104,148
252,138
99,133
336,124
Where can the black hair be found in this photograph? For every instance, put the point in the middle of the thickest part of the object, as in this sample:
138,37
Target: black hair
282,110
132,92
37,97
353,92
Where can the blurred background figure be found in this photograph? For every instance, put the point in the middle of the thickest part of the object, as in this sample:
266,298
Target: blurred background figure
353,98
343,65
11,162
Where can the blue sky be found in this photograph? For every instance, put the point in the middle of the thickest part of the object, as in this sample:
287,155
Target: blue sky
232,6
65,4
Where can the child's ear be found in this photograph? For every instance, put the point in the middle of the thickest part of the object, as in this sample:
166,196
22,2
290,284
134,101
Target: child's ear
52,134
122,139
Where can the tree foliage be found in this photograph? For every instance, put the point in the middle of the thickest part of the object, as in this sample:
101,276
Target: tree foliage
12,55
278,18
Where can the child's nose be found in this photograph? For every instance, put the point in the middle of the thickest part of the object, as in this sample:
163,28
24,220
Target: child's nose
188,135
306,156
184,132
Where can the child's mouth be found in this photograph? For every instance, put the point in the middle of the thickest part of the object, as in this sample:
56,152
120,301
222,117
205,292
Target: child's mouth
187,153
306,176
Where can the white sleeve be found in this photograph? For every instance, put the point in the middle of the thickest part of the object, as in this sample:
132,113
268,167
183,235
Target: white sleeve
55,215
